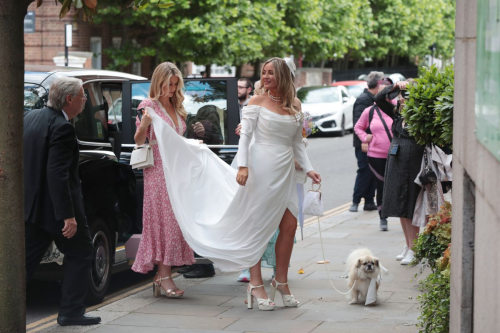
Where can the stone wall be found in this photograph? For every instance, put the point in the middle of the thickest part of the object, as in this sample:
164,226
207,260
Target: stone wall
475,294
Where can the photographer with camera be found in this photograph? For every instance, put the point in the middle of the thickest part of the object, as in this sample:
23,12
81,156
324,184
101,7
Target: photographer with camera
403,166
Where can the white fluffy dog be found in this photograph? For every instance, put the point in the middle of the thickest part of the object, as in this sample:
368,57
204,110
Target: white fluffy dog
362,267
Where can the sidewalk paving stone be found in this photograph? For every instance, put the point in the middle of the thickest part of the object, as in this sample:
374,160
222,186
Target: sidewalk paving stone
275,325
173,321
178,308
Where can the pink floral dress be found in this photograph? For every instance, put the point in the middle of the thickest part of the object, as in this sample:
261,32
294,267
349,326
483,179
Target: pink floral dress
162,239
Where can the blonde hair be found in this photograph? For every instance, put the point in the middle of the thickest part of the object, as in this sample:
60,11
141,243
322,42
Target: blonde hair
286,86
161,77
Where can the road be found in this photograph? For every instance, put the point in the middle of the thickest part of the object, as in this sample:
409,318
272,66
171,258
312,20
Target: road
332,157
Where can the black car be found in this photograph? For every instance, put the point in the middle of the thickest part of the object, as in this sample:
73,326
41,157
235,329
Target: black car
112,191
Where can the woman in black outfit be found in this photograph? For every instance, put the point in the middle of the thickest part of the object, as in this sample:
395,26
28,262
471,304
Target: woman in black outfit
403,166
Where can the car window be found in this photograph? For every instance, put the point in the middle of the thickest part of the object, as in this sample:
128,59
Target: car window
355,90
344,94
112,95
205,103
321,95
91,124
35,96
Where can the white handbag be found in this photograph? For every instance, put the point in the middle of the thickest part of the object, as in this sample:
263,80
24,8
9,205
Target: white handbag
142,156
312,202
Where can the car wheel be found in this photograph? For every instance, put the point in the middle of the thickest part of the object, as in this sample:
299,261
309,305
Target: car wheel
100,271
342,127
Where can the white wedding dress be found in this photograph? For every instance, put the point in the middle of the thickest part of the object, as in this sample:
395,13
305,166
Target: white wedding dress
221,220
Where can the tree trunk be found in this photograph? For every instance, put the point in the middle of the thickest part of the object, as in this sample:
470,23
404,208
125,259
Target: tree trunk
12,267
256,70
208,70
238,71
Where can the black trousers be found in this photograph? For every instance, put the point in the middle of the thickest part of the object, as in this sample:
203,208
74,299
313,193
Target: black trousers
377,166
364,187
77,251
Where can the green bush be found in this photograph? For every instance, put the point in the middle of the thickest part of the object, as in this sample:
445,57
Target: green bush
429,108
435,303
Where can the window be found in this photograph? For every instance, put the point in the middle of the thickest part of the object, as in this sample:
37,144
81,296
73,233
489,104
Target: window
35,96
345,97
136,68
112,95
355,90
96,49
205,103
91,124
29,22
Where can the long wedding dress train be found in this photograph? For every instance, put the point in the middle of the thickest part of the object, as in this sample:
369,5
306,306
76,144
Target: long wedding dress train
221,220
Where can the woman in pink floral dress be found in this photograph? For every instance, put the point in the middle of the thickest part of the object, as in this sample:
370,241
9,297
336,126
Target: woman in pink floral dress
162,242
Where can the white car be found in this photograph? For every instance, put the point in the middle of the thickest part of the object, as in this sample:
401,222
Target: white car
330,108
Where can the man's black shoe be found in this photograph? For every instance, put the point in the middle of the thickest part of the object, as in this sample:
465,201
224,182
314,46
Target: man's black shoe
354,208
185,269
200,271
370,206
78,321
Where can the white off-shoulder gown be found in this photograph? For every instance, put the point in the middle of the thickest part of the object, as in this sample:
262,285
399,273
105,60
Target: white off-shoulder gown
221,220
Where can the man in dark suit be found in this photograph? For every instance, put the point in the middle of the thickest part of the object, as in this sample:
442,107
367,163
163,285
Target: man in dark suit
364,187
53,202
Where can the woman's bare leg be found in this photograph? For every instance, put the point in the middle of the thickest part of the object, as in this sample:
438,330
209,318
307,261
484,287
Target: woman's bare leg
164,271
404,222
256,280
284,247
413,232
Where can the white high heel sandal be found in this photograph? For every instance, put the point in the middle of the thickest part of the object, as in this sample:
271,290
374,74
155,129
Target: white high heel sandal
288,300
264,304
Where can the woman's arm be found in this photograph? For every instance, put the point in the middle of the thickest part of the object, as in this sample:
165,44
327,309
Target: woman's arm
142,128
248,123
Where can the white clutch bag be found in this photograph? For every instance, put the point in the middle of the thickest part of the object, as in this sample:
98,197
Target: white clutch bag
142,156
312,202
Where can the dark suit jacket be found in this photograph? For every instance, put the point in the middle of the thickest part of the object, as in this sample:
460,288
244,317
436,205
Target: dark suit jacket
52,189
363,101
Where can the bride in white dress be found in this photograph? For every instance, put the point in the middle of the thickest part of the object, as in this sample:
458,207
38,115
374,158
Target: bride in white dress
231,222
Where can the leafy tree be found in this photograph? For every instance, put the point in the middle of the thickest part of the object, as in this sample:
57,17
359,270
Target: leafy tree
206,31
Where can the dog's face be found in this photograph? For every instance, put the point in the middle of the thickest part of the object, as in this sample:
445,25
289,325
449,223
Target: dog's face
368,264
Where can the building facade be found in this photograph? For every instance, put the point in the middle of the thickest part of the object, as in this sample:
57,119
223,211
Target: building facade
44,41
475,296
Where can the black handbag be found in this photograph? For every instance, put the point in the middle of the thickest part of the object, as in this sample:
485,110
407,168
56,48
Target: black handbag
429,176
